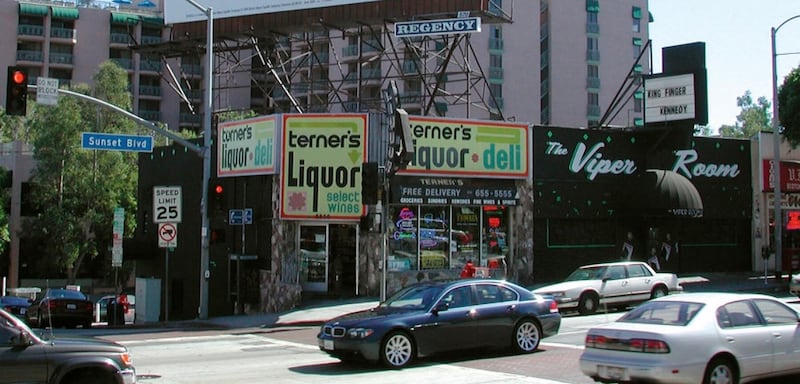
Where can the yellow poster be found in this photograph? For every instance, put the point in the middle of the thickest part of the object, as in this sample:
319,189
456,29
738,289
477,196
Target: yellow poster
321,166
457,147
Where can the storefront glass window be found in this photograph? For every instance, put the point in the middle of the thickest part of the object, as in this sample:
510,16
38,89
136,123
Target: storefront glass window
495,243
444,237
313,257
402,228
434,237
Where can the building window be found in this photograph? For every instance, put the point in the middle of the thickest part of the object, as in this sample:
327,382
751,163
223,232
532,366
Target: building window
637,47
592,48
592,26
637,19
592,76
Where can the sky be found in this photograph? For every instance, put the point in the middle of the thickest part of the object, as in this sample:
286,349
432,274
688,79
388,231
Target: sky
738,47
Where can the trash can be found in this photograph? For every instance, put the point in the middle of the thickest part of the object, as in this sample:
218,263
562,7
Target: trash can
116,313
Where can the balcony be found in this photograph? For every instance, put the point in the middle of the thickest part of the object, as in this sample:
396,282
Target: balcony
411,97
150,65
495,73
150,115
62,33
593,82
593,110
191,69
150,90
190,118
123,62
30,30
151,39
35,56
411,67
495,44
593,55
120,38
61,58
592,28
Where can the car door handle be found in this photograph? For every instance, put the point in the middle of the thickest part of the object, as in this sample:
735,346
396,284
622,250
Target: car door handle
777,335
511,308
730,339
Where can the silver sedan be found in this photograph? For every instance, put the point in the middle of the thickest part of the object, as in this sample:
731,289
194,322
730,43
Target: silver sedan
696,338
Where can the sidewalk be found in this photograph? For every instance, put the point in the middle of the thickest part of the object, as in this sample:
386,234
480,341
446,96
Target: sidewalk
317,312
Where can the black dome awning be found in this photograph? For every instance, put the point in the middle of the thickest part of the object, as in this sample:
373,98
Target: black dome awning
667,193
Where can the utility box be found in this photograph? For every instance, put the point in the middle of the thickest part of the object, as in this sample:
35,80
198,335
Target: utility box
148,300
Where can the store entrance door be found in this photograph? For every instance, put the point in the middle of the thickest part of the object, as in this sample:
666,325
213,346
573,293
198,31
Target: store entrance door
314,258
342,264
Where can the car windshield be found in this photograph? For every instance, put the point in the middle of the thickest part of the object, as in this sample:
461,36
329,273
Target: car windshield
587,273
663,312
65,294
413,297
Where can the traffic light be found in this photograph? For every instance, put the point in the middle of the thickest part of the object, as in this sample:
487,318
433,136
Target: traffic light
369,183
217,196
17,91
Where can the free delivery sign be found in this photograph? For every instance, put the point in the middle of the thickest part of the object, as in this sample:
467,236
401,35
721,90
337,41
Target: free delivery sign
246,147
455,147
321,166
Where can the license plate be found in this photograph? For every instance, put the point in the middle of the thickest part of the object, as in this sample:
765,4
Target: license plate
327,345
72,306
608,372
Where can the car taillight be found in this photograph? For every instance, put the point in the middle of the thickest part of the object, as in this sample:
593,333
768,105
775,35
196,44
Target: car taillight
648,346
89,307
123,299
631,345
52,304
553,307
595,341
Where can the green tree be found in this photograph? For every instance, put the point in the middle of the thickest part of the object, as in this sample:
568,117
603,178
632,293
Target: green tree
753,117
74,190
789,107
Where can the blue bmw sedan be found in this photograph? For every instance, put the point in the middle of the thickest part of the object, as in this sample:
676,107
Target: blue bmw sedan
436,317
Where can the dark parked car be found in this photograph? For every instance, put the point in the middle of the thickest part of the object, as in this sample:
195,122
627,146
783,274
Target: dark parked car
27,358
61,307
433,317
122,308
15,305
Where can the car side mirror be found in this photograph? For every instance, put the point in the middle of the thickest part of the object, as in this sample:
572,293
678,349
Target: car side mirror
20,340
441,307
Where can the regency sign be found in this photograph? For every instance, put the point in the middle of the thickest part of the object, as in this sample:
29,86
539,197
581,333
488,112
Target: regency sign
321,166
246,147
453,191
437,27
455,147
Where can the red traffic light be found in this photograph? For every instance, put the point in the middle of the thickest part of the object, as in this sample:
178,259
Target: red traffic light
218,189
19,77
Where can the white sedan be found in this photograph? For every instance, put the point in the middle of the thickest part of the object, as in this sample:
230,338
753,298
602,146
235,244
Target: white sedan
696,338
617,284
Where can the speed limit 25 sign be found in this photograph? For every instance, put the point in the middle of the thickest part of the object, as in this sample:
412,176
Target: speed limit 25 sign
167,204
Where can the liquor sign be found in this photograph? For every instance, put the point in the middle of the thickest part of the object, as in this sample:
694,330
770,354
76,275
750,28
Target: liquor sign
321,166
474,148
246,147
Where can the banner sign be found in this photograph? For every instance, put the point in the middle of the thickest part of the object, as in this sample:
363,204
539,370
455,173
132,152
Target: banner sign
184,11
473,148
246,147
669,98
448,191
437,27
320,166
790,176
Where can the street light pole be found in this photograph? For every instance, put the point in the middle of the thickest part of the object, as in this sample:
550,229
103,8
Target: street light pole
202,310
776,163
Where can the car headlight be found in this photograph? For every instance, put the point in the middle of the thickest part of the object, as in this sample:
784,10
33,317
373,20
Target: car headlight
557,295
359,333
